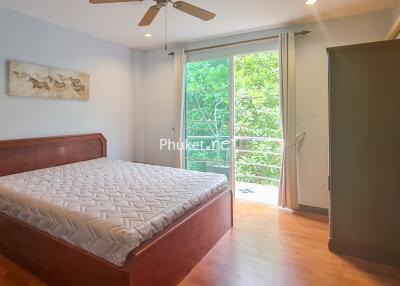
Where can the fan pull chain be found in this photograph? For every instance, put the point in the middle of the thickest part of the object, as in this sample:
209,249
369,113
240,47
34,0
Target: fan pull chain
166,28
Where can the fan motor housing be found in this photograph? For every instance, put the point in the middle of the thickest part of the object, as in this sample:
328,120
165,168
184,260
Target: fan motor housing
161,3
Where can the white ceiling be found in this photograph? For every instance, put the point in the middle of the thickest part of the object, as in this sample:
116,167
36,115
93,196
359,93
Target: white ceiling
118,22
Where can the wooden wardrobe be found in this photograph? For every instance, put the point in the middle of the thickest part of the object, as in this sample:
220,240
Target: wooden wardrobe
364,104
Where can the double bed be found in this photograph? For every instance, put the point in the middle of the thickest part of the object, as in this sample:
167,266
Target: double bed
73,217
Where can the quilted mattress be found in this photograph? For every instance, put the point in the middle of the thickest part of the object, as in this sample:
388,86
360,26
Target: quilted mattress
105,207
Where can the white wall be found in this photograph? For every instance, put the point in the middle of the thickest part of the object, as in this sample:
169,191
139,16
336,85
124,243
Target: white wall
396,11
159,107
138,107
396,16
159,103
312,94
111,67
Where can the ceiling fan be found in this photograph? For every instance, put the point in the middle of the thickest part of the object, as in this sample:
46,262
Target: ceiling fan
153,10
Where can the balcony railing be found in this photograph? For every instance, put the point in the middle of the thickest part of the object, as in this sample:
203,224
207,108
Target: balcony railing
273,155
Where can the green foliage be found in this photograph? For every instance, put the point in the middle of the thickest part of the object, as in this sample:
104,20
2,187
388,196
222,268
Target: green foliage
257,115
207,113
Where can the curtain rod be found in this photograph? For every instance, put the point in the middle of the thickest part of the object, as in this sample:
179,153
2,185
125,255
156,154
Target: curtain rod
242,42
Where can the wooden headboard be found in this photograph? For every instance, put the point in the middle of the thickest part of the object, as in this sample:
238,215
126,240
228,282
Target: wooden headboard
17,156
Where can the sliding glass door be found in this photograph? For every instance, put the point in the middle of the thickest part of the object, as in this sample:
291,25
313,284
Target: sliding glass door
232,118
208,116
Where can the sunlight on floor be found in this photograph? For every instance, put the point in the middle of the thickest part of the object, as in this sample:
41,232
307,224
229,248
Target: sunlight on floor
264,194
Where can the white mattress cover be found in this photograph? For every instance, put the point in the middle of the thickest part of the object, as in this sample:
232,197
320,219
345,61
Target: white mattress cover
105,207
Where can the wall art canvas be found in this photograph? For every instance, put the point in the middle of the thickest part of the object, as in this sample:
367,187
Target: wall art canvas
42,81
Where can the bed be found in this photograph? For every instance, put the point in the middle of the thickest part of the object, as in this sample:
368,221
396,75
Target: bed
60,220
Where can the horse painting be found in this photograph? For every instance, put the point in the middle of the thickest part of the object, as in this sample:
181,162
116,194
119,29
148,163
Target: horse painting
41,81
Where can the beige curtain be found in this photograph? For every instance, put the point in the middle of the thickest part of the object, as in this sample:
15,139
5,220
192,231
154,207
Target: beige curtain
288,196
180,71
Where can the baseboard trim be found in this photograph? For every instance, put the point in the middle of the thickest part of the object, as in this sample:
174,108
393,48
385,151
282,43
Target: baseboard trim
314,210
364,252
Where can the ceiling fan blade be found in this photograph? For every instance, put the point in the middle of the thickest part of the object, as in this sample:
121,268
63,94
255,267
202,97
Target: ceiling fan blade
150,15
194,11
110,1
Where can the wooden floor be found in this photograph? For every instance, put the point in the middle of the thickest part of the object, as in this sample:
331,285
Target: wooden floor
267,246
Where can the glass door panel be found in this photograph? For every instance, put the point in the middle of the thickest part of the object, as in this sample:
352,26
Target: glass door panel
207,116
258,132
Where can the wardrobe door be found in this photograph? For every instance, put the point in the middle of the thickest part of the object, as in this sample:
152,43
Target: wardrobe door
364,84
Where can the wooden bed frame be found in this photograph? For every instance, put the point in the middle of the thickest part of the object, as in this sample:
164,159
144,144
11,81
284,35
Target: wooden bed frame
164,260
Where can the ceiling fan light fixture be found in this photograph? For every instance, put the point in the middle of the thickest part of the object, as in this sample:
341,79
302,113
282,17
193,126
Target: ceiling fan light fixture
148,35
